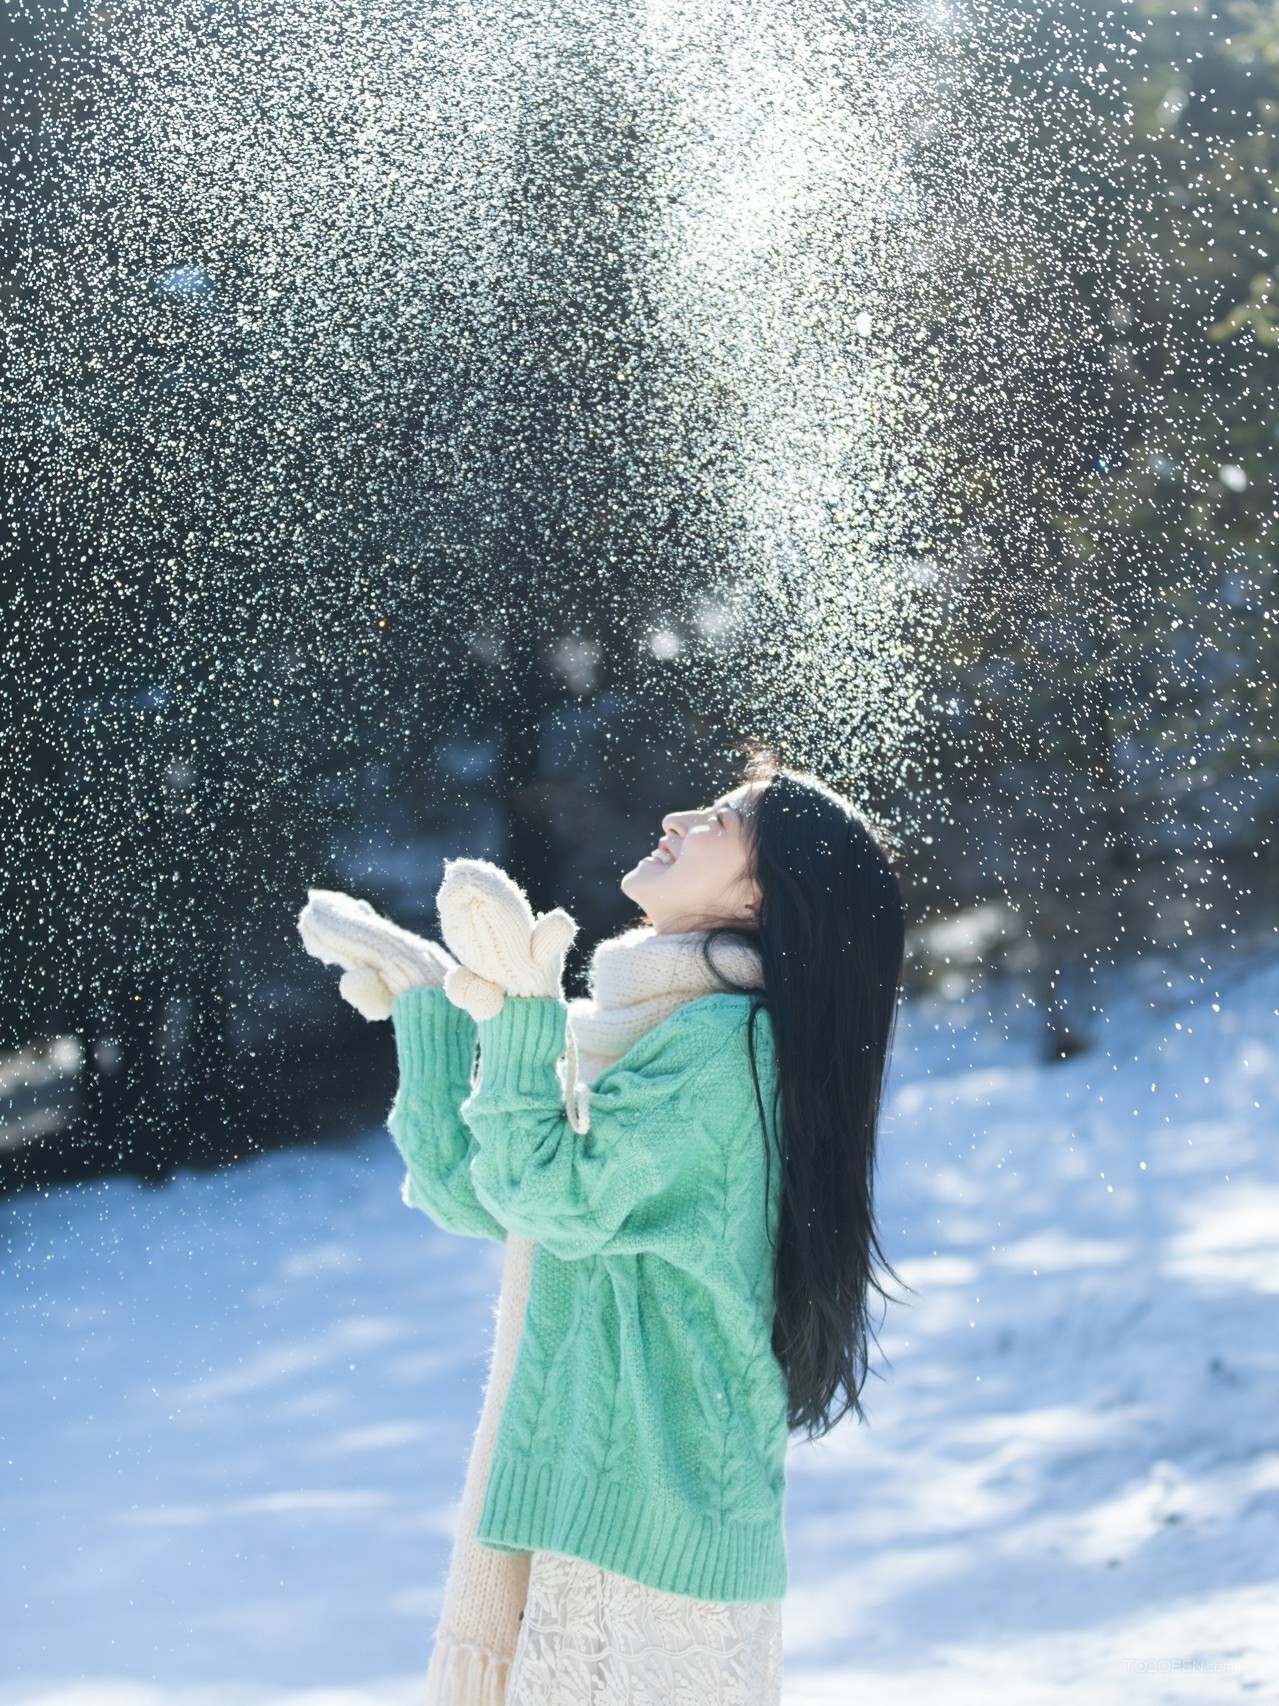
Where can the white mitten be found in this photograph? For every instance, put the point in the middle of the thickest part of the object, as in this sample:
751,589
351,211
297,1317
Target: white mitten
486,920
379,960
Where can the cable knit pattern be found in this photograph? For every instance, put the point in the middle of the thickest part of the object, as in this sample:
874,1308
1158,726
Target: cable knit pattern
645,1313
597,1311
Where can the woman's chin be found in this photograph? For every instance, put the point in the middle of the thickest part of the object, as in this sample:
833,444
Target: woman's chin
639,880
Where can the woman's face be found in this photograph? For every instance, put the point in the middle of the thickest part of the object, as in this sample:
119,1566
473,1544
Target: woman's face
699,869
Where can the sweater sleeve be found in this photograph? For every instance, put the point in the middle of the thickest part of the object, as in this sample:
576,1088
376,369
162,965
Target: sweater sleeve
435,1047
621,1186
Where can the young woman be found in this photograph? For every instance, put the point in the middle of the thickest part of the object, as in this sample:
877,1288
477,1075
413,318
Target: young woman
681,1169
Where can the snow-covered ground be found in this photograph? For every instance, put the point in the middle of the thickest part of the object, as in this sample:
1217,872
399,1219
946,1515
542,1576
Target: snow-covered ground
236,1408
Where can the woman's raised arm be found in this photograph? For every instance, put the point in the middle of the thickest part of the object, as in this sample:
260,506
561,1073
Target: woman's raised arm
388,972
435,1045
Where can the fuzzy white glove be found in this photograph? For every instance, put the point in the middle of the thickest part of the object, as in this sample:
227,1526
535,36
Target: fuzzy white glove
379,960
502,949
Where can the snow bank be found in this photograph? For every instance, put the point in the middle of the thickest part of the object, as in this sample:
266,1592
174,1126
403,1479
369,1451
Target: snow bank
236,1408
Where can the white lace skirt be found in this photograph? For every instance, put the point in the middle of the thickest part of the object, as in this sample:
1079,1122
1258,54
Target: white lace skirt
592,1638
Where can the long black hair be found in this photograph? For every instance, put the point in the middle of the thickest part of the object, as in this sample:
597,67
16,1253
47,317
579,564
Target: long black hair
831,935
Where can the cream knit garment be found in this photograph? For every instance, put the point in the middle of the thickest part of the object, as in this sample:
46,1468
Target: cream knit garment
636,980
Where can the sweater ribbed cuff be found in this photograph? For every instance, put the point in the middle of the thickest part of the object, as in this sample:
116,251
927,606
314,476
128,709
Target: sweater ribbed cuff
620,1527
434,1040
520,1046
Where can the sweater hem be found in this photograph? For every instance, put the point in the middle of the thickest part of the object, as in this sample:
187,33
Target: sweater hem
528,1507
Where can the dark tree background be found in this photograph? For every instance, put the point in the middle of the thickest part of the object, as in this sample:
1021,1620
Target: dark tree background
1103,763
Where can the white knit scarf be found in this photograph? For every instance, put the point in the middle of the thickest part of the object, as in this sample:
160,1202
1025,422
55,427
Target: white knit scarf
637,980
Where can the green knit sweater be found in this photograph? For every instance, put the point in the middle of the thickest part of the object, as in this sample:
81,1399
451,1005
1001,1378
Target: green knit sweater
645,1425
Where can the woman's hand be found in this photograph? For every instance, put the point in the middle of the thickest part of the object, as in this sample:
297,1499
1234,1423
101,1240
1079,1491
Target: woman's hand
502,949
379,960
